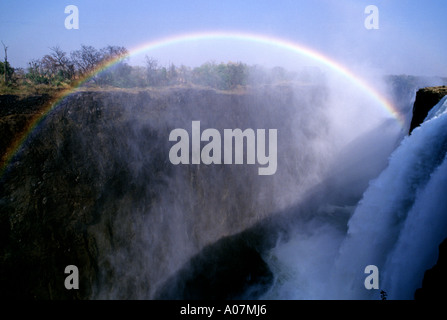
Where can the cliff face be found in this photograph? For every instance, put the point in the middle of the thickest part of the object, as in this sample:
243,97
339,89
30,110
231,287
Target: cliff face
426,98
16,113
92,186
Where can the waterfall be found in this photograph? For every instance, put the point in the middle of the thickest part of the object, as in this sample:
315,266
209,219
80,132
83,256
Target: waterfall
397,226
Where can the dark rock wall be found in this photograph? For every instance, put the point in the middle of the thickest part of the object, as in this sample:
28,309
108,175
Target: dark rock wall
435,279
426,98
16,114
92,186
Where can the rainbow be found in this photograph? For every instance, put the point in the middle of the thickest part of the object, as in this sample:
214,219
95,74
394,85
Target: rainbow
282,44
219,35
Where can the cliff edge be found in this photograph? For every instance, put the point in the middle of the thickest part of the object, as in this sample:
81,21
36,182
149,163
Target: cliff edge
426,98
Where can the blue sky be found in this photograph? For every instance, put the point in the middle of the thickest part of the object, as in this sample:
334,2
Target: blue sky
410,39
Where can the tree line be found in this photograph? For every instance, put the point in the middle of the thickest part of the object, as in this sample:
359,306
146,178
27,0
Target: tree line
59,68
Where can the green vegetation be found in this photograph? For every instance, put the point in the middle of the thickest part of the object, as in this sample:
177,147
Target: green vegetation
59,70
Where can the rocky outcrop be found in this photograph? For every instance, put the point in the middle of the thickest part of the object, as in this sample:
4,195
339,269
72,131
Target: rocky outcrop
434,285
426,98
232,268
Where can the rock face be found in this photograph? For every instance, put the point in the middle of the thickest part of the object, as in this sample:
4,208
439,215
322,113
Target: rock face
15,114
435,279
232,268
92,186
426,98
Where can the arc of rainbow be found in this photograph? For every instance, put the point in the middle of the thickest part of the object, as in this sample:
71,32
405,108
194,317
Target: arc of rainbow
202,36
283,44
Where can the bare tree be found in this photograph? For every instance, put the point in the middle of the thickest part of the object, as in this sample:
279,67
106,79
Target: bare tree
113,52
151,71
119,72
86,59
62,64
54,67
6,62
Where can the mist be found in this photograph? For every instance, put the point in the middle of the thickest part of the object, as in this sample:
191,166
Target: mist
331,142
102,181
158,230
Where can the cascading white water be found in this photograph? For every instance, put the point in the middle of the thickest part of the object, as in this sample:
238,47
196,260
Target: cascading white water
397,226
425,225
